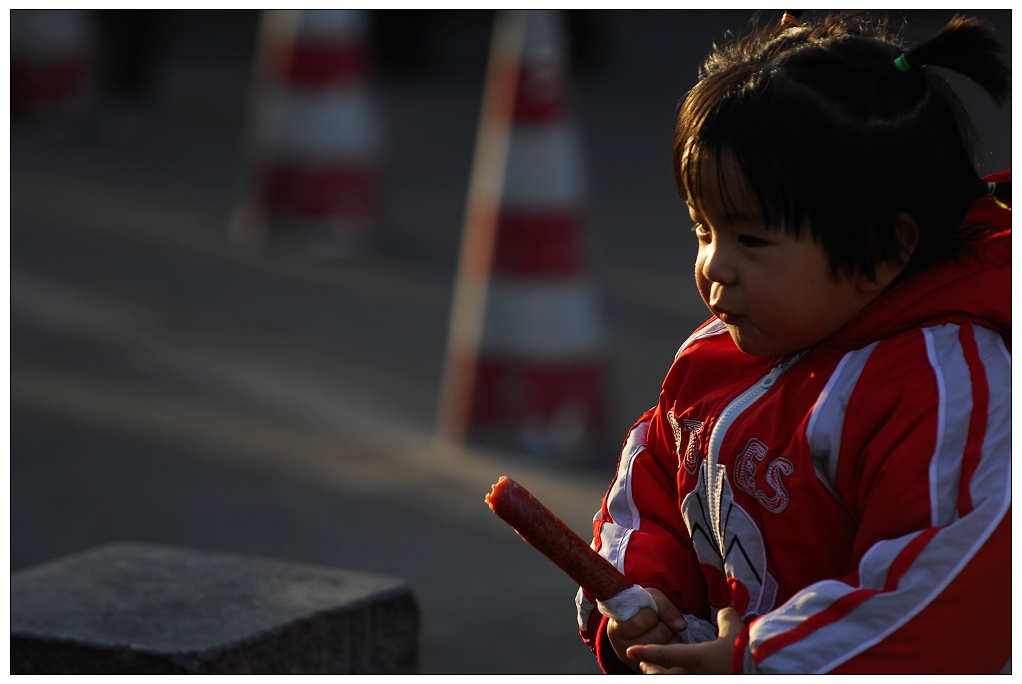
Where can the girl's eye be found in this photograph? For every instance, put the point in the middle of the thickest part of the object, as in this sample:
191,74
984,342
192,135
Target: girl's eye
701,233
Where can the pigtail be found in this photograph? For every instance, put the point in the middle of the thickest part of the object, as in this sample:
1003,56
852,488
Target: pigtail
967,46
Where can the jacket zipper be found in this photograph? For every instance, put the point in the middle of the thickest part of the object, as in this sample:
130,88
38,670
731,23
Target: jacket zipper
714,475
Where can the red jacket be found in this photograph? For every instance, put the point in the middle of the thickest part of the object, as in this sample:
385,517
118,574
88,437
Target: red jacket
851,502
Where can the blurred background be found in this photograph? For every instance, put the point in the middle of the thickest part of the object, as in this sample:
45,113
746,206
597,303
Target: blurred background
187,369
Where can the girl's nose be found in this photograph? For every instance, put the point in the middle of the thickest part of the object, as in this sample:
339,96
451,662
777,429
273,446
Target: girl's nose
717,266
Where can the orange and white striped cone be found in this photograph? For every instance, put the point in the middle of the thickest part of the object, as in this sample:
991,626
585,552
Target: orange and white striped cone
314,138
51,61
526,354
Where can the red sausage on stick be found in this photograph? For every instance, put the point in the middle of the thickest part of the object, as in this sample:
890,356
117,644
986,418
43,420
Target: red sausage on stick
547,533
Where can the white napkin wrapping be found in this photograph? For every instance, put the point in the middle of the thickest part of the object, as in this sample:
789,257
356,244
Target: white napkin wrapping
627,603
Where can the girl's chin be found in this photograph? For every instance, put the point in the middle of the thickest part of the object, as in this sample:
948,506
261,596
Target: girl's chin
749,342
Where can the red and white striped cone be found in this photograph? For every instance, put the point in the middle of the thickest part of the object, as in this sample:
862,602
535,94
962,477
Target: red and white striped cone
526,357
314,137
51,60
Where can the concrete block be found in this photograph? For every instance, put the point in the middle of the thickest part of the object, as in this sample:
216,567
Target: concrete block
143,608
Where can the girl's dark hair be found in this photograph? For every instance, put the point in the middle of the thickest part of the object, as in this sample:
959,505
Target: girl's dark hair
826,129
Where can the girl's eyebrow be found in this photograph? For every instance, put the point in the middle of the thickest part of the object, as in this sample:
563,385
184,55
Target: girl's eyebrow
735,217
746,217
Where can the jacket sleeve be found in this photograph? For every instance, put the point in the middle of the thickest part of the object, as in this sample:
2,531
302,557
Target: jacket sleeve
640,530
921,457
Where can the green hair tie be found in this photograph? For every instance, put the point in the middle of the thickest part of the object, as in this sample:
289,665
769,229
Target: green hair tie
991,188
901,63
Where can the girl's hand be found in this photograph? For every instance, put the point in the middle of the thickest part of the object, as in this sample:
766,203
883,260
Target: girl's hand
646,627
711,657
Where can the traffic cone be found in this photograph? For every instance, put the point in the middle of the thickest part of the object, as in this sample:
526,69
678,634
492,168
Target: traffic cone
313,137
526,353
51,60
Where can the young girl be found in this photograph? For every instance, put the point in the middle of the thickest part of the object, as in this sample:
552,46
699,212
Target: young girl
825,482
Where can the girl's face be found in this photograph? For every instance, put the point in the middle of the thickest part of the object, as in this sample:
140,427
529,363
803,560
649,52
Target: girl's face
775,293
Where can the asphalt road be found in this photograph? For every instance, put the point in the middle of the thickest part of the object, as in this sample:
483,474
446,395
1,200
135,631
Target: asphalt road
169,387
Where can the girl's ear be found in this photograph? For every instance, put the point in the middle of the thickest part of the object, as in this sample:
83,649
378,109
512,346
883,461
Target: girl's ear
907,231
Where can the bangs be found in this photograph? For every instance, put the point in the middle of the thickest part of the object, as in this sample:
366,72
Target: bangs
742,130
